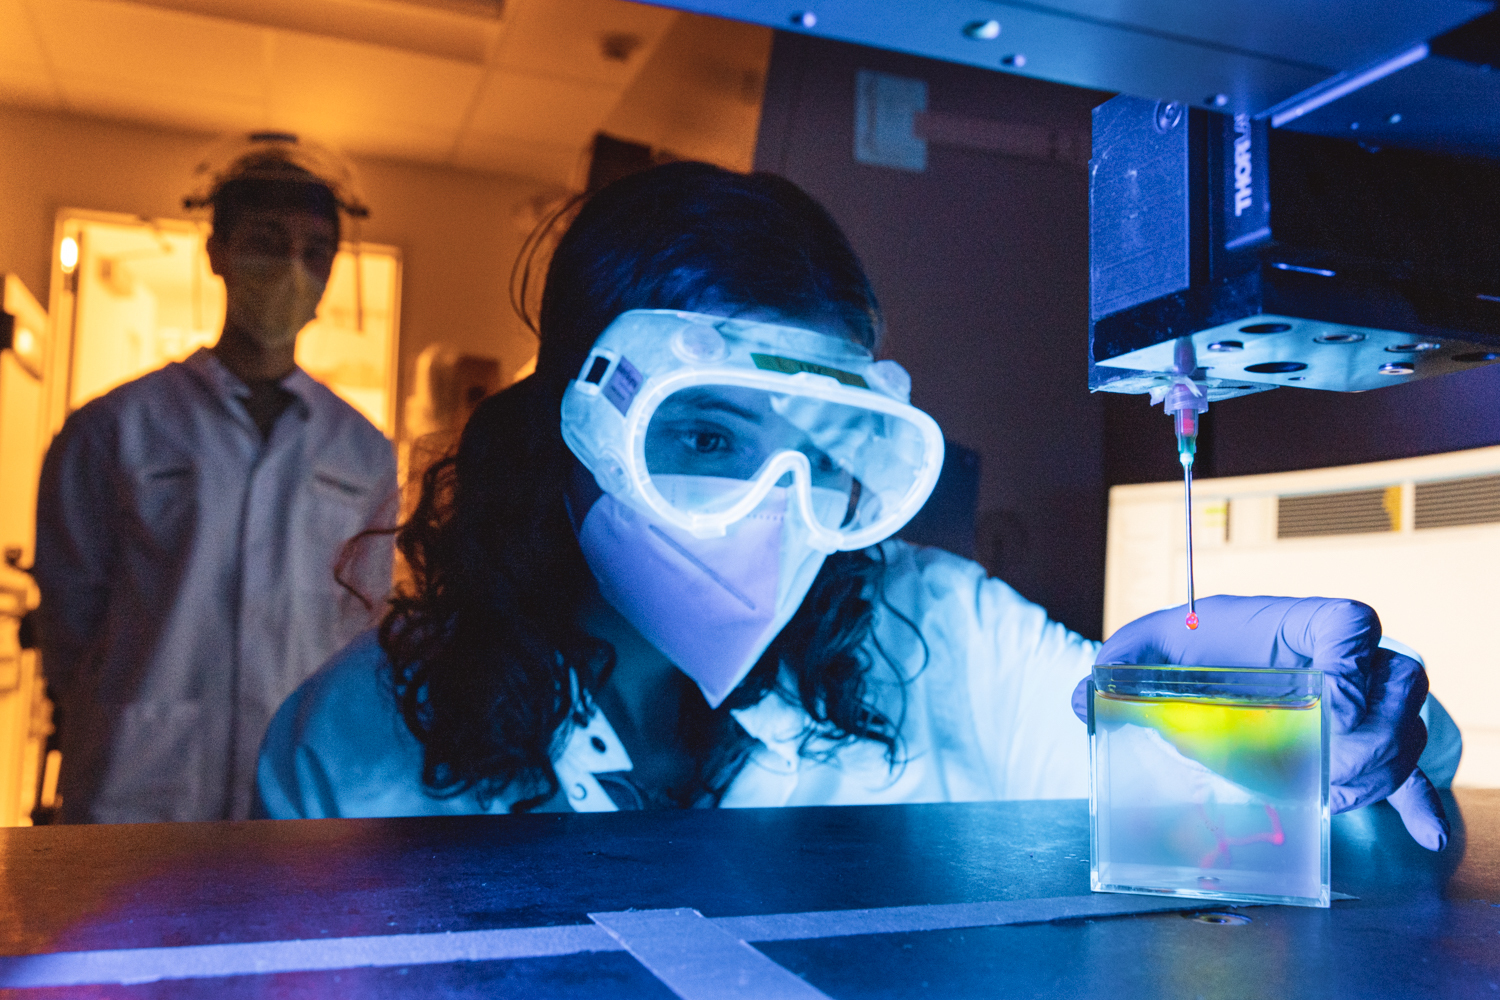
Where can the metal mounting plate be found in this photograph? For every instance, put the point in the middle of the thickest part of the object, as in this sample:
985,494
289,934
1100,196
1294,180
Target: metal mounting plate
1335,356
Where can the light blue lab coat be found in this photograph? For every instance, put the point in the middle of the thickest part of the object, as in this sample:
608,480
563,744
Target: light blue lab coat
987,716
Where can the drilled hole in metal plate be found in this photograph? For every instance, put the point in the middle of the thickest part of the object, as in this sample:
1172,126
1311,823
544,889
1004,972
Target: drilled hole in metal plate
1340,338
1266,328
1397,368
1473,357
1219,918
1275,367
1227,345
1168,115
1297,378
1414,348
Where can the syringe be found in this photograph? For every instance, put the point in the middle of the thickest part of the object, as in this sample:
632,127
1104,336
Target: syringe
1184,401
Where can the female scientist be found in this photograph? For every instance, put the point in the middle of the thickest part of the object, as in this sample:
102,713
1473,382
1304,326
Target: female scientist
658,573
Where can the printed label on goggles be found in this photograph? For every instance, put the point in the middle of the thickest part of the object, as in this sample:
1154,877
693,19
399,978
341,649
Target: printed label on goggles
791,366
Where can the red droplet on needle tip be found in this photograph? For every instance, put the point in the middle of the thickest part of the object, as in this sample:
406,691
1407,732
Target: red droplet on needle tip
1192,619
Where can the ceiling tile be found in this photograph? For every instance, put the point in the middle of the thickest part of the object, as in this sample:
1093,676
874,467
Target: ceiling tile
370,137
147,47
159,105
548,38
27,87
18,44
531,113
453,31
559,166
700,94
329,79
542,111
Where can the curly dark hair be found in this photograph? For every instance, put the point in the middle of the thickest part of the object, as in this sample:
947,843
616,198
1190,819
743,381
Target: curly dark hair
487,659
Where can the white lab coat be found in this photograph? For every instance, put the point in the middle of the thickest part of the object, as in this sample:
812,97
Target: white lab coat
987,716
187,575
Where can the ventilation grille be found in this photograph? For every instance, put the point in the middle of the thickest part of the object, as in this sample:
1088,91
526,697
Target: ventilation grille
1475,500
1350,512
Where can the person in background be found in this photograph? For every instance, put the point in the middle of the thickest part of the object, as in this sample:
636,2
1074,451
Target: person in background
190,523
659,572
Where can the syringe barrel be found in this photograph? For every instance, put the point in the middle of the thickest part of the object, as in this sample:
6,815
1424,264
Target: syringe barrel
1184,401
1186,423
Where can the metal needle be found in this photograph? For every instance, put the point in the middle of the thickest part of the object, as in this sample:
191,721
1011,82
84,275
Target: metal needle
1185,400
1187,506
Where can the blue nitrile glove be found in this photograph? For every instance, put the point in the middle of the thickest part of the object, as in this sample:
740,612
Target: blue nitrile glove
1374,694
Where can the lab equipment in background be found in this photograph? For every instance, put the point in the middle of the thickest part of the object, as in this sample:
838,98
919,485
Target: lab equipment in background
25,713
1227,259
1210,782
446,387
1282,258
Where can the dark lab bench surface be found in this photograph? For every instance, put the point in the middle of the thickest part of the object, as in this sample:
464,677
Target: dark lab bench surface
1423,925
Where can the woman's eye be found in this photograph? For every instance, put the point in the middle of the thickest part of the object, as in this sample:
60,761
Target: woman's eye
706,442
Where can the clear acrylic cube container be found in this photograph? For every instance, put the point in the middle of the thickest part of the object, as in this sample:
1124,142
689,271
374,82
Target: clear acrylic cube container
1209,782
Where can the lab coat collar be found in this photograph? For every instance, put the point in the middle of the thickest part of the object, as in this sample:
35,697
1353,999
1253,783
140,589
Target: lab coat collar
778,725
596,749
227,385
591,749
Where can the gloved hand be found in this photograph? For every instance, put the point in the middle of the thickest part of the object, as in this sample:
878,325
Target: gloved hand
1374,695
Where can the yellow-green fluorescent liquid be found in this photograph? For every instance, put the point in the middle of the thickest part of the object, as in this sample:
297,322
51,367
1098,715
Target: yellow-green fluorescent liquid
1209,796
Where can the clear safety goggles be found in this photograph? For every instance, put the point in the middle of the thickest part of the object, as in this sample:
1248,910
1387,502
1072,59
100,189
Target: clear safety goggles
697,419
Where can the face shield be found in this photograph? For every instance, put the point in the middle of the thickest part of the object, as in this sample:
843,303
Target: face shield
276,156
701,421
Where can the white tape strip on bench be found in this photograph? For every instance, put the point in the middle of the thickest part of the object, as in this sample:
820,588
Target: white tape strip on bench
145,965
698,960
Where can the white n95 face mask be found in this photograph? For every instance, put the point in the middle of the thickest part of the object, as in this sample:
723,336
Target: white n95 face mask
711,605
271,298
